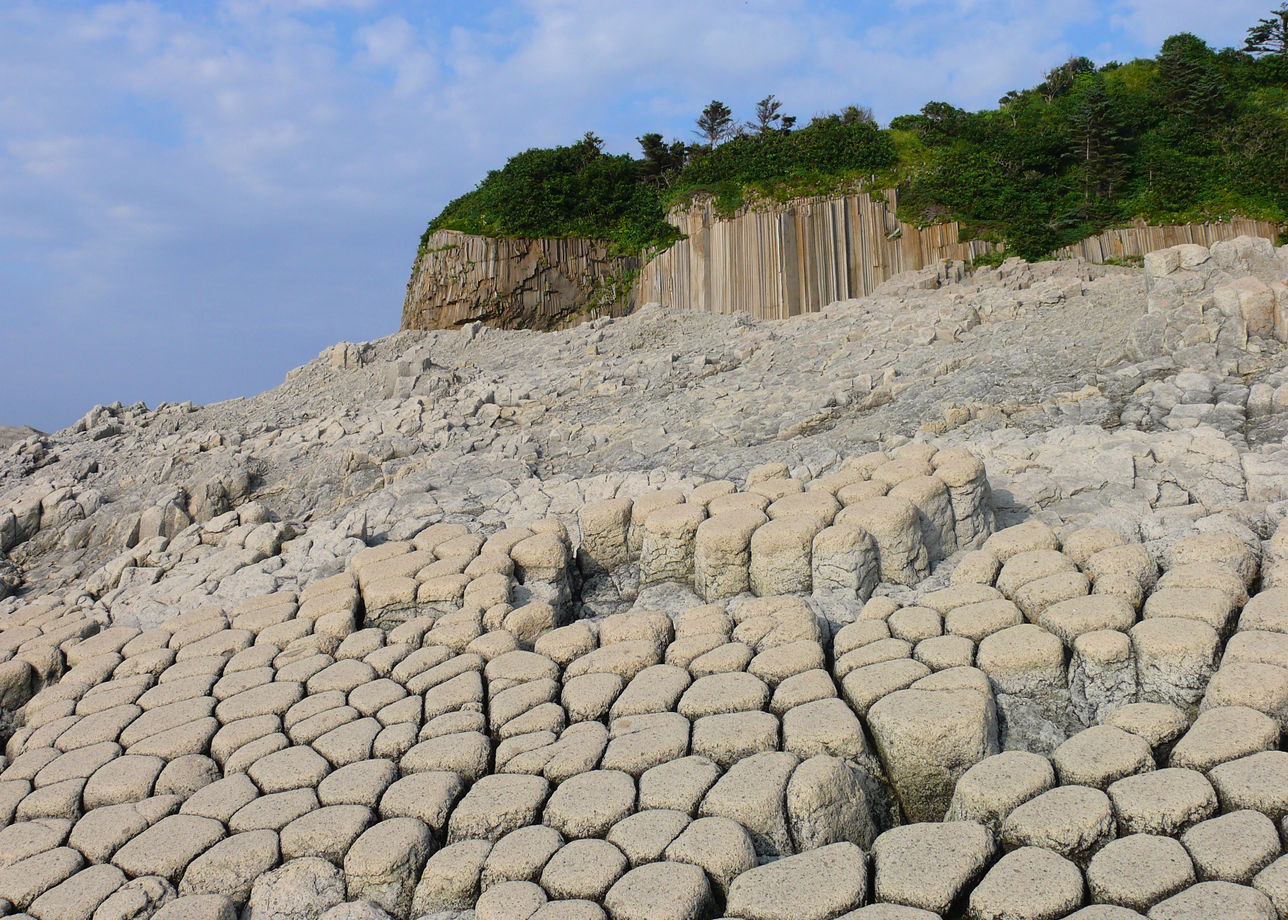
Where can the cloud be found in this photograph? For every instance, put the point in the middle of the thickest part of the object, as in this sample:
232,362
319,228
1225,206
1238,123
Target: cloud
1151,21
196,197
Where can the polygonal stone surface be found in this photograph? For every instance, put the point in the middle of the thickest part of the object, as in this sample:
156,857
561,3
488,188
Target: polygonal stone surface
1223,734
299,888
496,805
583,869
327,833
753,793
1073,821
1138,871
719,846
1099,755
817,885
1215,899
589,804
1162,802
450,880
994,787
1258,782
79,896
643,836
670,890
167,847
1233,847
1032,883
931,865
230,867
384,864
927,740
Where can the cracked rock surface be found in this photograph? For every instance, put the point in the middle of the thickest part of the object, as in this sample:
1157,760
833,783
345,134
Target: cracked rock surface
967,599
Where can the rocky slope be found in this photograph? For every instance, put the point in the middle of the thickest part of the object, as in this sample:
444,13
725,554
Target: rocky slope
963,599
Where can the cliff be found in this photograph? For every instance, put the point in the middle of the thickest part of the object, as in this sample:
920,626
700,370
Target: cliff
771,262
796,258
1140,238
514,283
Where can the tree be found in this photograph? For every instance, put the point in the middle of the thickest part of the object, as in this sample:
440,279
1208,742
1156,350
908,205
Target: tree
1270,35
1059,80
768,111
1192,88
661,160
855,114
715,123
590,146
1096,136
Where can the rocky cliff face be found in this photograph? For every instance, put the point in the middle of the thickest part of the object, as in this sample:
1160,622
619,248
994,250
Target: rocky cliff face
794,259
514,283
1137,240
776,262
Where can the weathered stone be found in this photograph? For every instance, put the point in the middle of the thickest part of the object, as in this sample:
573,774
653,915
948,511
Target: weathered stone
588,805
753,793
811,886
584,869
230,867
450,880
1215,899
826,804
1100,755
993,788
167,847
1233,847
1074,821
1162,802
520,855
1138,871
719,846
1222,734
497,805
927,740
660,890
931,866
1031,883
385,863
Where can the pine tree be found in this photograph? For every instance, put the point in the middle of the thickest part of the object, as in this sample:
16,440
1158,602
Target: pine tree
1270,35
768,115
1096,128
715,123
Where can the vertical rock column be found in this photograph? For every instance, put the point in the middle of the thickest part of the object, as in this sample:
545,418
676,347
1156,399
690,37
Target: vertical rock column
781,555
604,536
667,547
895,525
1102,675
722,553
845,563
968,490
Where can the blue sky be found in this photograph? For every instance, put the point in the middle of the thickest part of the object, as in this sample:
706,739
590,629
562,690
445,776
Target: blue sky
196,197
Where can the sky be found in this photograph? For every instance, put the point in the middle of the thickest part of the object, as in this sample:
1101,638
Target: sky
197,196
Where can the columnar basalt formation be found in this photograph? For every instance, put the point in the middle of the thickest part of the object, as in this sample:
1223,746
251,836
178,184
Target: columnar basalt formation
793,258
771,260
515,283
1140,239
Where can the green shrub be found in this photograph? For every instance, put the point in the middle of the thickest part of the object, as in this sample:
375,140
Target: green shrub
1191,134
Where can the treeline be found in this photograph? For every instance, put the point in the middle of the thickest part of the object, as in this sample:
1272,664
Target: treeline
1190,134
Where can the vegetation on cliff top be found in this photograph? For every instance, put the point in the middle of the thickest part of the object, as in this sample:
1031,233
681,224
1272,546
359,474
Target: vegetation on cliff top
1190,134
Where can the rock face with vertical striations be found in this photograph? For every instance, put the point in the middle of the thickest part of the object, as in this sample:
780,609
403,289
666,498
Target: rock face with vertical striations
515,283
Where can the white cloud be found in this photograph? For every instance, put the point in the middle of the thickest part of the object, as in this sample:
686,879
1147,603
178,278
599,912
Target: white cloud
195,198
1222,25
